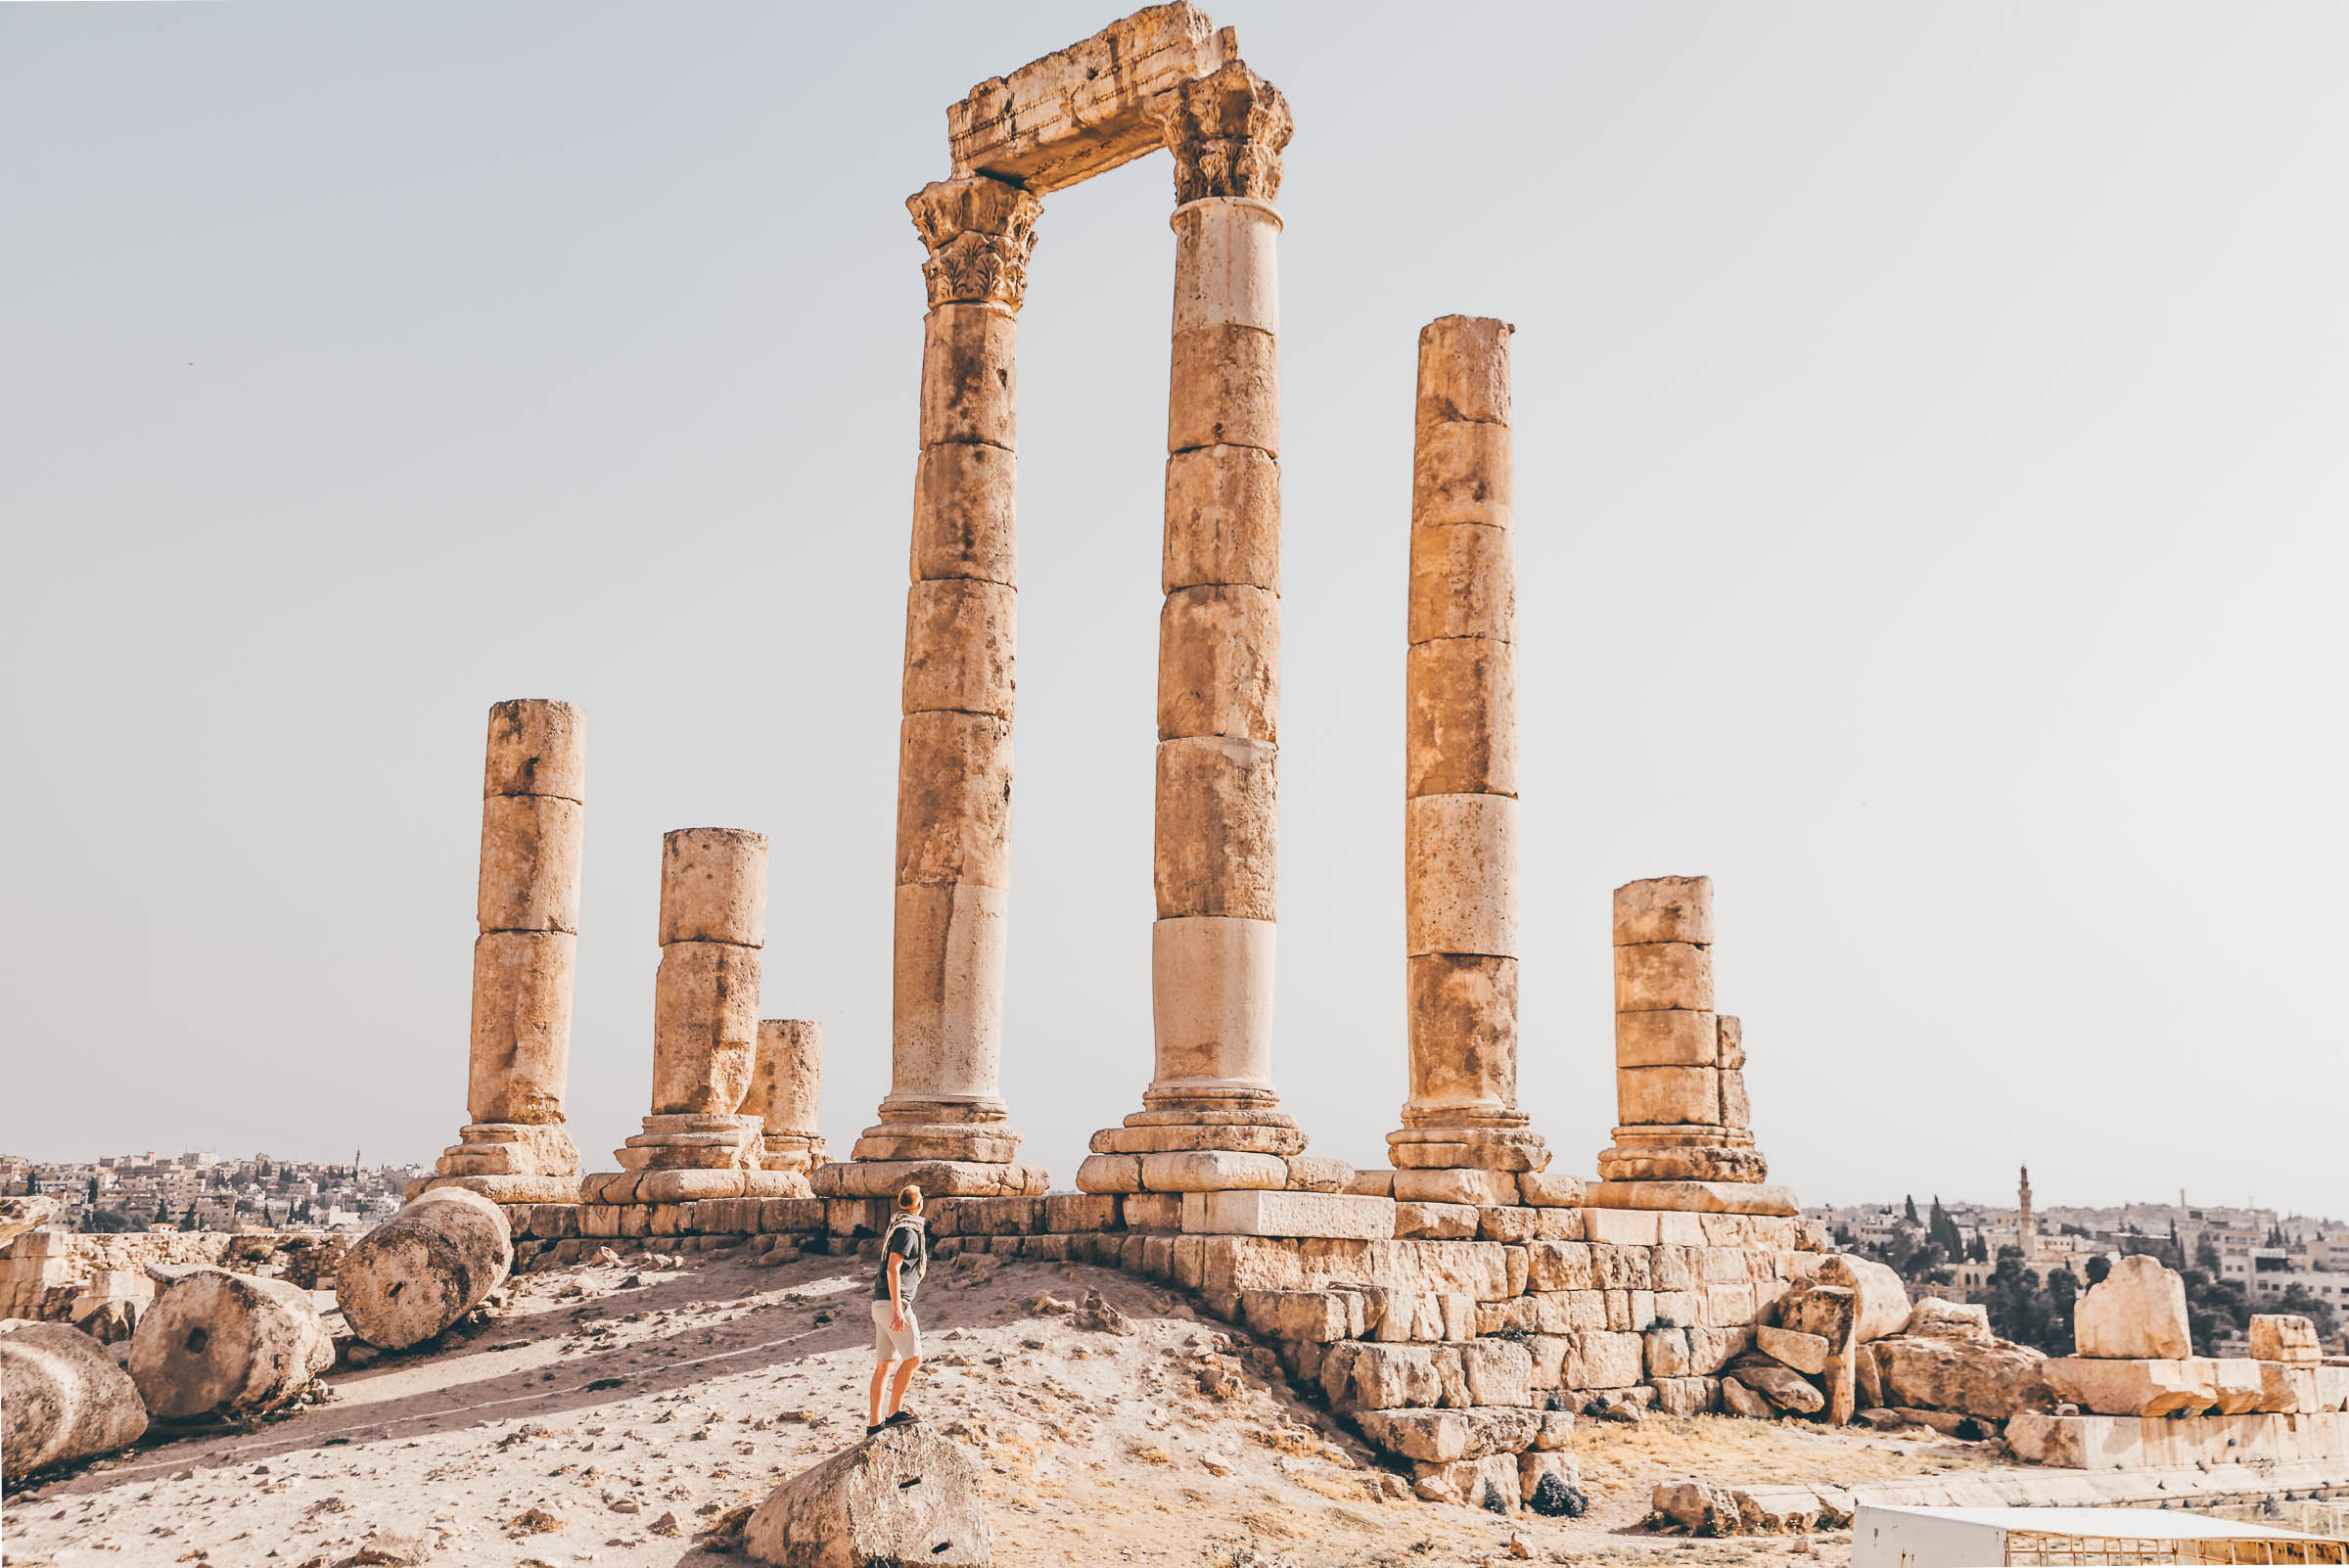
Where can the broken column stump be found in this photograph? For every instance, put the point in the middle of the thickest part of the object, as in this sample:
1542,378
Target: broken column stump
62,1399
217,1343
905,1496
425,1268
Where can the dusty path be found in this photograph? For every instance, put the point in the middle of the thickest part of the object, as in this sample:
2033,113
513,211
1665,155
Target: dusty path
601,1421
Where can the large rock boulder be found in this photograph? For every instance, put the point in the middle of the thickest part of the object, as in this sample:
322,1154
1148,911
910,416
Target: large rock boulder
903,1496
425,1268
23,1212
1936,1318
1883,1300
1990,1378
1697,1506
1782,1386
62,1399
2135,1313
217,1343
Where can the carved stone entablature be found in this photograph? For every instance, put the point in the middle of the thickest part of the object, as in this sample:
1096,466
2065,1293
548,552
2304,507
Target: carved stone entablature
980,233
1226,131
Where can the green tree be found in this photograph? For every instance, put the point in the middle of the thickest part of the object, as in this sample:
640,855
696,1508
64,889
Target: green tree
1977,1250
1942,1231
2099,1265
1910,1204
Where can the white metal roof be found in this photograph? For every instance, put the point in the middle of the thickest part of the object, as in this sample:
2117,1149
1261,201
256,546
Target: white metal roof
2115,1524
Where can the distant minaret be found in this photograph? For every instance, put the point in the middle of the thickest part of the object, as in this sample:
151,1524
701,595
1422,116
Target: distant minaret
2028,1237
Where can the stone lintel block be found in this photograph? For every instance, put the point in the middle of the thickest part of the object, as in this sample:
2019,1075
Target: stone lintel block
1222,519
1436,1221
1287,1213
1656,976
1667,1097
1665,910
1463,583
1731,1036
1667,1037
1461,717
536,747
1459,875
1226,265
1086,108
1463,371
1477,1189
1218,664
965,513
2183,1386
970,375
954,799
530,876
1211,1170
1692,1197
1804,1352
1460,475
713,886
1225,390
961,643
520,1048
705,1026
1462,1018
945,1179
1218,828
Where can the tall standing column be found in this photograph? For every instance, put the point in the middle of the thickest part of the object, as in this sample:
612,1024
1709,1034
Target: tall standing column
697,1143
1461,765
943,1122
1211,1117
1679,1082
533,790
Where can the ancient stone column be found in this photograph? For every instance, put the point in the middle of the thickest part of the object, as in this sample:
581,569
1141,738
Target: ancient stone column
533,790
1461,765
1211,1117
697,1143
944,1109
1678,1081
782,1094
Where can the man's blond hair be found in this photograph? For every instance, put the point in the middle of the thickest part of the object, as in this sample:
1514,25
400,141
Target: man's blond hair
909,1198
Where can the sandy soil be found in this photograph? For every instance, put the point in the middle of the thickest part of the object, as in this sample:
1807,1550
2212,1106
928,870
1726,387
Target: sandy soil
616,1415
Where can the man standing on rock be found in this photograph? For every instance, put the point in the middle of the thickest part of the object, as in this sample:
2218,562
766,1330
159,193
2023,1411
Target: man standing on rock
897,1334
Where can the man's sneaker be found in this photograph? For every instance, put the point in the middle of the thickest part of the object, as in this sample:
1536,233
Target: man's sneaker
901,1418
870,1430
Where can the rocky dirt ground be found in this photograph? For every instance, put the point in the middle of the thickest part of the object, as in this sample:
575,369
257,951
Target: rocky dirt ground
627,1413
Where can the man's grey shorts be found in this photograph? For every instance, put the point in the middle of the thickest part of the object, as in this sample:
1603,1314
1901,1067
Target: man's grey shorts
896,1344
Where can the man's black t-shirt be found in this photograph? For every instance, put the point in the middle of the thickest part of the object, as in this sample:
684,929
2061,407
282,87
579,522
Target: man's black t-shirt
908,1246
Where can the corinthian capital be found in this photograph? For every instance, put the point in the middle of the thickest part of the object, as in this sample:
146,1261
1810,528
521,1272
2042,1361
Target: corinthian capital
980,233
1226,130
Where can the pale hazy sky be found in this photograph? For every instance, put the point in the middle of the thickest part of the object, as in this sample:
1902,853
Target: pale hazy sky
1930,429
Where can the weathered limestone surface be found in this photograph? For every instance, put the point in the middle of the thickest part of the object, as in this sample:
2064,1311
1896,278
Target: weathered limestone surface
2135,1313
62,1399
1288,1213
1988,1378
2285,1337
533,790
425,1268
217,1343
1882,1297
785,1080
21,1214
903,1497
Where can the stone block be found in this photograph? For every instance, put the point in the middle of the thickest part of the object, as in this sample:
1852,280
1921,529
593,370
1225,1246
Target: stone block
1882,1299
1666,1037
1463,583
970,376
961,644
965,513
1606,1360
2136,1312
1461,717
1710,1349
1305,1317
1804,1352
1218,664
1152,1210
1657,976
1678,1308
1262,1213
1463,372
1545,1189
1687,1395
1508,1223
1224,388
1745,1195
953,800
1536,1466
1223,519
1462,1007
1478,1188
1935,1318
1459,875
521,1037
1555,1265
1498,1373
1667,1354
1069,1213
1313,1173
1664,909
1109,1174
1736,1110
1360,1374
1373,1183
1218,828
1622,1228
2284,1387
2285,1337
535,747
1212,1170
1435,1220
529,865
2105,1386
2241,1388
1461,477
1211,999
1224,270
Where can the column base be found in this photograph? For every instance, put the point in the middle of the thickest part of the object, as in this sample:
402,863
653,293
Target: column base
1486,1145
937,1179
1693,1197
511,1148
963,1142
1690,1153
688,1185
504,1188
790,1151
693,1142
